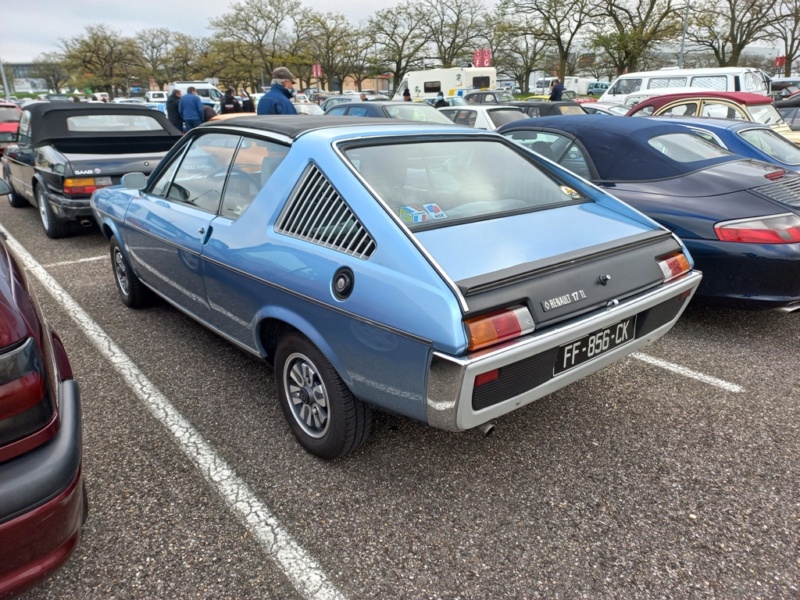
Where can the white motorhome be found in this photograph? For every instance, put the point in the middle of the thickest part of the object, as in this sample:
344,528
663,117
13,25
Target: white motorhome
451,82
720,79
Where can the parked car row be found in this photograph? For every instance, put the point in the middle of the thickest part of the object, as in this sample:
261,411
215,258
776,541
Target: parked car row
400,263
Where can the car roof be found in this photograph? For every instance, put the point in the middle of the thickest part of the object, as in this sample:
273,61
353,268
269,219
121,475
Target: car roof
740,97
293,126
619,147
712,123
52,117
540,102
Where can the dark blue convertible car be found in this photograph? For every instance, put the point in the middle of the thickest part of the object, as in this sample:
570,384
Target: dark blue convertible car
439,272
739,217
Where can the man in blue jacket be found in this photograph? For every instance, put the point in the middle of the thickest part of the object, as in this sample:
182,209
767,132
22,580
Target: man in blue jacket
191,108
277,100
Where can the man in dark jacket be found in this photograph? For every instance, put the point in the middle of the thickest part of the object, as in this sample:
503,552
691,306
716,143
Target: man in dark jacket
173,114
277,100
229,103
556,91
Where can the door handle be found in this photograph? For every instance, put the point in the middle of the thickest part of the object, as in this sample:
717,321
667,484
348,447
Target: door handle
201,231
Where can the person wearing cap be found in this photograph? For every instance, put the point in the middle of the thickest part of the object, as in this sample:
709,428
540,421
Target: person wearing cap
277,101
406,95
440,101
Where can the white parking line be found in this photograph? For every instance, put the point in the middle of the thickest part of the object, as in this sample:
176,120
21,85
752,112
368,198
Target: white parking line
300,568
75,262
720,383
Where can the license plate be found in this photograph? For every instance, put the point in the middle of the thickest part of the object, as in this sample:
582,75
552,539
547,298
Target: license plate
593,345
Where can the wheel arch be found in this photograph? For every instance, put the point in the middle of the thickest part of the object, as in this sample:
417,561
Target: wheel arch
277,322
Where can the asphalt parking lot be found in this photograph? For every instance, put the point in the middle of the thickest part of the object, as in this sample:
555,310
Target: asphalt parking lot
672,474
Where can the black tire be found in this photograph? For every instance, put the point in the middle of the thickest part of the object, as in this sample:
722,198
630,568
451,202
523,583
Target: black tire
320,409
52,227
131,290
14,199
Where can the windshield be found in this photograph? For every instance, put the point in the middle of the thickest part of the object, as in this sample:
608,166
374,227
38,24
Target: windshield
9,114
773,144
440,183
766,114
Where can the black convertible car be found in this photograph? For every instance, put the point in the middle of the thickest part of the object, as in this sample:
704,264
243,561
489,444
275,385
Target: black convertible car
65,150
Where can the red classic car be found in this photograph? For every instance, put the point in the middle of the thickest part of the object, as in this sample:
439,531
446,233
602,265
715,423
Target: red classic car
10,114
42,494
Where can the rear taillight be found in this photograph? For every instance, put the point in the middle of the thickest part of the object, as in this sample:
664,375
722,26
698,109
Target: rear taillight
674,265
774,229
26,404
498,326
84,185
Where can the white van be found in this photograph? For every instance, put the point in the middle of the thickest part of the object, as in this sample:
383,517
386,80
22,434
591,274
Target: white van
155,96
208,92
720,79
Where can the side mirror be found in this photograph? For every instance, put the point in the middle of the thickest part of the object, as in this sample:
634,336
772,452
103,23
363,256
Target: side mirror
134,181
5,189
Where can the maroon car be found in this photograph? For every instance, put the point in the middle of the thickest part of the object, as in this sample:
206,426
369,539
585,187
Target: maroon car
42,494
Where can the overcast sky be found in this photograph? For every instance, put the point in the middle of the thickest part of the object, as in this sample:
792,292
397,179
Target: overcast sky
32,28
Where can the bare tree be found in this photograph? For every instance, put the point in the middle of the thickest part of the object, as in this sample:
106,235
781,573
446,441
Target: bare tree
452,27
50,67
181,62
260,27
104,57
786,28
726,27
628,29
517,47
154,46
361,58
398,34
329,43
561,23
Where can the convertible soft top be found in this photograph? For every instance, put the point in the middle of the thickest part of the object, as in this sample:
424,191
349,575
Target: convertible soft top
619,146
51,120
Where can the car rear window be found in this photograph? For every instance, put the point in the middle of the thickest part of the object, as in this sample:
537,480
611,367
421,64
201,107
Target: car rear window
505,115
443,182
773,144
112,123
686,147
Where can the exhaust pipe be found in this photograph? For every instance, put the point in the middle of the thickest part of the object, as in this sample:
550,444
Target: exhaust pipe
486,429
86,222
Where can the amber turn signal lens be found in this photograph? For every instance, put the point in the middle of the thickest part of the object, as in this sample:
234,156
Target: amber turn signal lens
674,265
498,326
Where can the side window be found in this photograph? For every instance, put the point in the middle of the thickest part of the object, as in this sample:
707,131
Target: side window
357,111
711,82
200,177
450,114
574,160
25,129
338,110
709,137
253,165
687,109
722,110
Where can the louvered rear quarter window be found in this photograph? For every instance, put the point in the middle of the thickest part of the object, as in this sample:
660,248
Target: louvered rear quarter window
318,214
